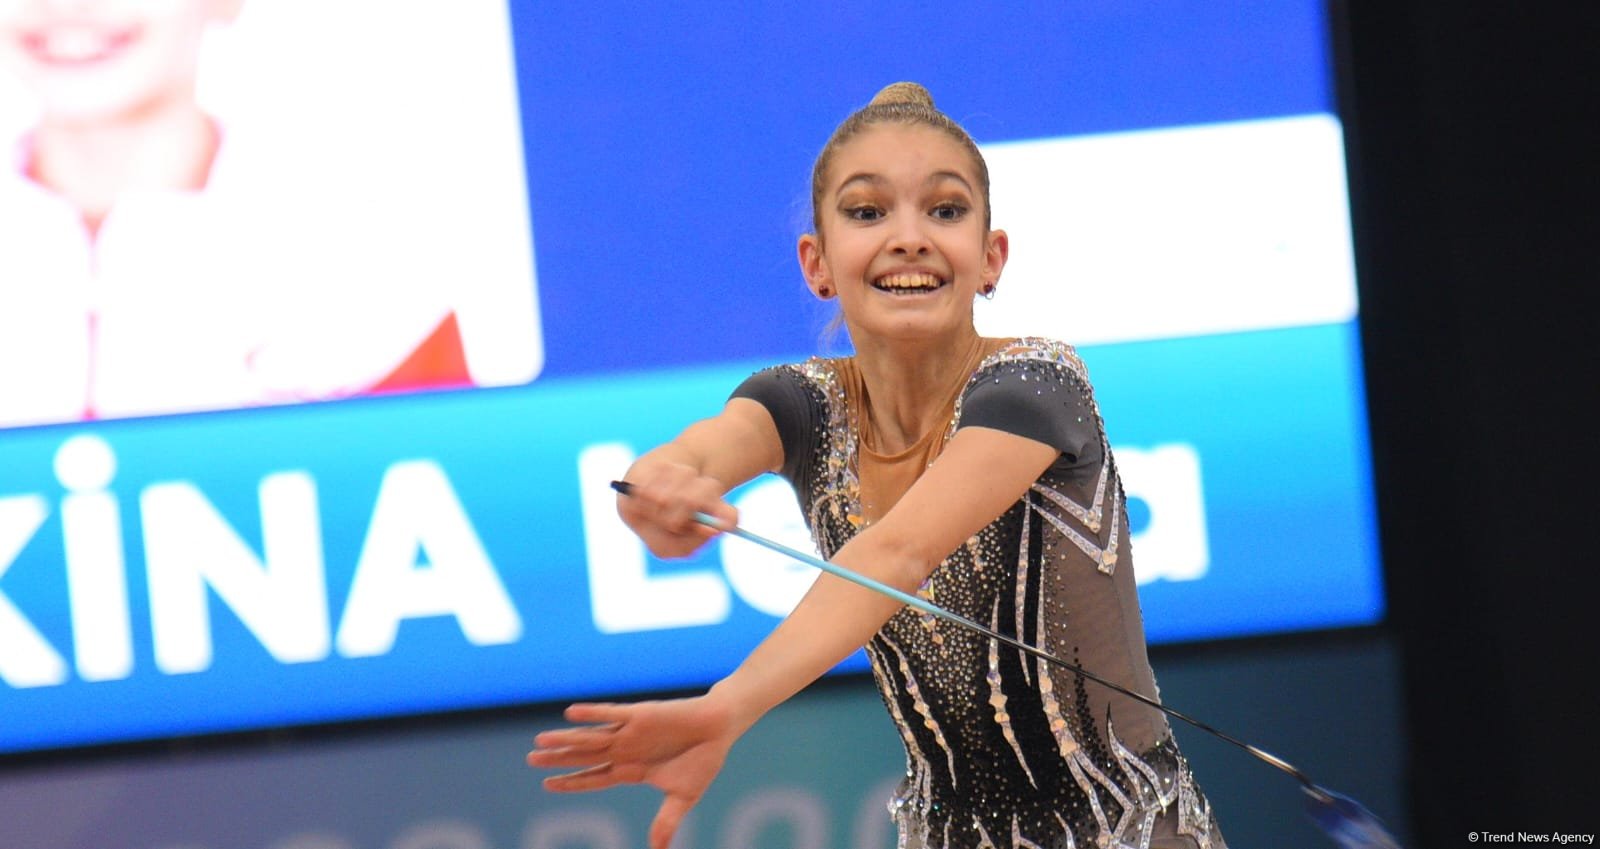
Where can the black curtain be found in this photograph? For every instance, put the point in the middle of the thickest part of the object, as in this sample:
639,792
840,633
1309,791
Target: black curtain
1475,169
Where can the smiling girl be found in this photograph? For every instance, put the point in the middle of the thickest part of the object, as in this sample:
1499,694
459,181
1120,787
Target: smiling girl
973,471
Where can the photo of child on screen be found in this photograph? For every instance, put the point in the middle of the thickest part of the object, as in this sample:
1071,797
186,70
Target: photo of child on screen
156,257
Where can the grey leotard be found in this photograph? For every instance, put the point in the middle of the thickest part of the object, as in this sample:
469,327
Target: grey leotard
1003,750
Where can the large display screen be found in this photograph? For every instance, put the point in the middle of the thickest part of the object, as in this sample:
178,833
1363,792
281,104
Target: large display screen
324,327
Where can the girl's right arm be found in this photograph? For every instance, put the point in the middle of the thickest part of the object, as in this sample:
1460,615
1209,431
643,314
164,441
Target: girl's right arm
693,472
677,745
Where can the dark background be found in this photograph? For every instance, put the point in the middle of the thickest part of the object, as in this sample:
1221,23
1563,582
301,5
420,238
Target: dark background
1474,166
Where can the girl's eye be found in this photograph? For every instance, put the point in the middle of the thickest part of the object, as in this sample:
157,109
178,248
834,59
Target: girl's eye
863,213
949,212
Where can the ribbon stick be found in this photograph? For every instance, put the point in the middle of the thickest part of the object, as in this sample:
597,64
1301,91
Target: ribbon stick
1343,819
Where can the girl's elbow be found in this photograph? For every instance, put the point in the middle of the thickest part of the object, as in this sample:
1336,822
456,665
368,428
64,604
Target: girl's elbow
902,562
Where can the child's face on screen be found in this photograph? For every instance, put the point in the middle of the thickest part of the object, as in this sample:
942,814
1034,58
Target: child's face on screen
106,60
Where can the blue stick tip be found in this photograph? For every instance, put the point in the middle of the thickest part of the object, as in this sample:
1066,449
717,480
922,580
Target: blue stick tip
1346,821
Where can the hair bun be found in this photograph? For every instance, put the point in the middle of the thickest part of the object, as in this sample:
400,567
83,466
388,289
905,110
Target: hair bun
909,93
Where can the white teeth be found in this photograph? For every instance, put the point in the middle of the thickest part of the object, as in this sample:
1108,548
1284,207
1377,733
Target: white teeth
907,282
73,44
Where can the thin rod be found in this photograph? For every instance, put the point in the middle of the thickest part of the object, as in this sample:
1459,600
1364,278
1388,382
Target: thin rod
929,607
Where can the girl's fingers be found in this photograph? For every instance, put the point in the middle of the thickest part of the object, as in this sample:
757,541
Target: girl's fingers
725,514
597,777
672,501
668,818
583,745
595,712
560,756
586,738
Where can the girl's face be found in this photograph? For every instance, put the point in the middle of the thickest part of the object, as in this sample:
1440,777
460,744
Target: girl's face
104,60
902,241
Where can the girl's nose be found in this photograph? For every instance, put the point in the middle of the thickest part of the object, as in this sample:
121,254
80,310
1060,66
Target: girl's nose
908,239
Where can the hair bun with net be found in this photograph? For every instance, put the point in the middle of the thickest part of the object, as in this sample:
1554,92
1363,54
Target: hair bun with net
907,93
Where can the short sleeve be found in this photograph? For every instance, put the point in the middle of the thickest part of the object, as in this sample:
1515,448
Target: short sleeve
783,393
1038,400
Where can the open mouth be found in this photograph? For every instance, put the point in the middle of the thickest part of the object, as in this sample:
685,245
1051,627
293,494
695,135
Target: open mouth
76,44
908,283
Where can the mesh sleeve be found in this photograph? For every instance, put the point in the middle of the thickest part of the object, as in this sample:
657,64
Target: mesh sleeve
780,390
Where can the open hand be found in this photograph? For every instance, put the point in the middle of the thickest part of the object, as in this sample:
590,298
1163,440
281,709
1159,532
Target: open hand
676,746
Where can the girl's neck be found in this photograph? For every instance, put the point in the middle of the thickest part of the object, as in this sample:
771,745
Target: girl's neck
909,384
168,144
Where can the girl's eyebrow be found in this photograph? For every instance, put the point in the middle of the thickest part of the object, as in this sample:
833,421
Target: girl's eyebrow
939,176
862,177
872,179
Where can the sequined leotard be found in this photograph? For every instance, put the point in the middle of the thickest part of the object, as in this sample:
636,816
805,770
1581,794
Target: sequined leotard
1003,750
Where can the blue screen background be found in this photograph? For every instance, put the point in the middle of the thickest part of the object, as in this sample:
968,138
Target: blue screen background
668,158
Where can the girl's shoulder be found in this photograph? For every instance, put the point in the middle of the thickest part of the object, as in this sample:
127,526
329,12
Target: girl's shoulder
1042,351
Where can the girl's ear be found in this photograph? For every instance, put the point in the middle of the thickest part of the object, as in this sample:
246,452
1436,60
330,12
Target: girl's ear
813,267
997,246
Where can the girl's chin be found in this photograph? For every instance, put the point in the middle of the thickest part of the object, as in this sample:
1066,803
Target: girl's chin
88,99
912,327
82,113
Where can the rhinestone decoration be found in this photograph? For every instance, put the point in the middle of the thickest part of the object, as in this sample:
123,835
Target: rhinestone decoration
1000,746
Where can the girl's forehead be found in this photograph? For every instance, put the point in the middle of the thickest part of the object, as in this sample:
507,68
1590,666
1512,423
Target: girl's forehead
900,149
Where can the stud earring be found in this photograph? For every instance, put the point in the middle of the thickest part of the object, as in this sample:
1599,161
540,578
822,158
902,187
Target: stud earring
824,292
988,291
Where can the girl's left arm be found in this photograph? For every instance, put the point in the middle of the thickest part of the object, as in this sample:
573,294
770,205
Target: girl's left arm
979,475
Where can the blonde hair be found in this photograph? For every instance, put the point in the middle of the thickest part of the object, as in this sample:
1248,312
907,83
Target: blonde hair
897,103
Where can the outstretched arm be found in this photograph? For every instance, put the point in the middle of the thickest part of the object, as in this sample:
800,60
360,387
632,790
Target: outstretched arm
677,746
680,745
